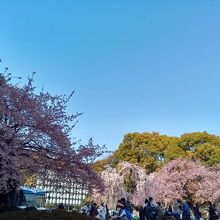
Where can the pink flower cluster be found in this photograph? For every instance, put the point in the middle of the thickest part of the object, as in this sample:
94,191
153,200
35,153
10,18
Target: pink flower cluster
35,132
188,180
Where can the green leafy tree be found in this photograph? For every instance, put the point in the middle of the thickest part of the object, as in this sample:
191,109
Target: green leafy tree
201,146
145,149
152,150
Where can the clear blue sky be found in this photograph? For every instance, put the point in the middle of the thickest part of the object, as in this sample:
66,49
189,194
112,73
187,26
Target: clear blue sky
135,65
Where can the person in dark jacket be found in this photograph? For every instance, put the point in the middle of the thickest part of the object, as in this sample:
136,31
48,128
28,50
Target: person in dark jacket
196,212
151,207
141,213
212,212
146,210
186,211
107,212
93,211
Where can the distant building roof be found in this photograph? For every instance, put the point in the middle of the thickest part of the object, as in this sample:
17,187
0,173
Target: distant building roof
33,191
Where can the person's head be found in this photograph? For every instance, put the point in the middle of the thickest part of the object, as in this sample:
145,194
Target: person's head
146,201
210,203
179,201
123,200
150,199
120,205
95,204
159,204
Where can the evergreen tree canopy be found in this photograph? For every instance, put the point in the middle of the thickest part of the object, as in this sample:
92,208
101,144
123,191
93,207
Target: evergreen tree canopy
152,150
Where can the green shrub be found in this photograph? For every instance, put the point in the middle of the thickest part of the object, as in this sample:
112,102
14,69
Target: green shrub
39,215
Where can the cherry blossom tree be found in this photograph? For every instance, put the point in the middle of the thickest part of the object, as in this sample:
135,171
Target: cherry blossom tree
181,179
115,188
35,138
146,189
209,188
189,180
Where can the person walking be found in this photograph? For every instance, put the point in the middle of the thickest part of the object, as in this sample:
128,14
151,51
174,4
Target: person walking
212,212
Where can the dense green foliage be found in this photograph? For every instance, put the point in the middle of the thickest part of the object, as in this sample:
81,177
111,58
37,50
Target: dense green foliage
152,150
100,164
37,215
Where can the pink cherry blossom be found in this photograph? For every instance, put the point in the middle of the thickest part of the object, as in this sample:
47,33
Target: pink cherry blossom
186,179
35,132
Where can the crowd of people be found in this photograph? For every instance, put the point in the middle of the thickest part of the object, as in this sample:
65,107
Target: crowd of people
100,212
178,210
123,210
150,210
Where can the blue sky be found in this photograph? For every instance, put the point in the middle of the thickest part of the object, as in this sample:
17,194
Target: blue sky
134,65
